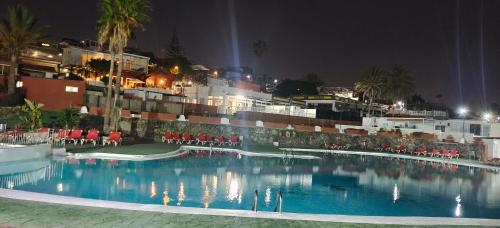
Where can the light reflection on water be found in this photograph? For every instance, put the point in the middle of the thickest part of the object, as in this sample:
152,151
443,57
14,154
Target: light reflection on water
333,184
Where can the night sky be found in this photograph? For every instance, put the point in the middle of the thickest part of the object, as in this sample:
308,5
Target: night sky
438,41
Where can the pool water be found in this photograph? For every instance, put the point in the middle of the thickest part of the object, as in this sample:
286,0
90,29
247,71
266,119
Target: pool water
334,184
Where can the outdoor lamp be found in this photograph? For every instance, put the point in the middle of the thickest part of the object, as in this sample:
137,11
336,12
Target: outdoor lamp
462,111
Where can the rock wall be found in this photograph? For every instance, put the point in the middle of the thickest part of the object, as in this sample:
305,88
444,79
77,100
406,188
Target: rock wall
9,112
155,129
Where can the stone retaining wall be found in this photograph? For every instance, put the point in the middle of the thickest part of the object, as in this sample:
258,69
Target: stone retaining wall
155,129
9,112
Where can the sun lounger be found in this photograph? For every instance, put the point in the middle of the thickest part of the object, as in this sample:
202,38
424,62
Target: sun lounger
186,138
168,137
176,138
92,137
421,151
219,139
454,154
74,136
434,153
114,138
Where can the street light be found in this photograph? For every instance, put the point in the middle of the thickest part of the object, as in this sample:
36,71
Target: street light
463,112
275,81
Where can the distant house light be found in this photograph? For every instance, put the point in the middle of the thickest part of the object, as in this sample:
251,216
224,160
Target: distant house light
19,84
60,54
71,89
45,44
50,56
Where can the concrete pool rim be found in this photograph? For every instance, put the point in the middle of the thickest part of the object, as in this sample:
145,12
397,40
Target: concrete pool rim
406,220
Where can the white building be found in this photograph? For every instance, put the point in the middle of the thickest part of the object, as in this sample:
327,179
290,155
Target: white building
79,56
228,99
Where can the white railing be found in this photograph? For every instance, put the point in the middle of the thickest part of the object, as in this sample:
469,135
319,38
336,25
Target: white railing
424,113
310,113
25,138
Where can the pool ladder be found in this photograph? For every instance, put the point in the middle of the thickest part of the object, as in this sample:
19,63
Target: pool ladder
279,205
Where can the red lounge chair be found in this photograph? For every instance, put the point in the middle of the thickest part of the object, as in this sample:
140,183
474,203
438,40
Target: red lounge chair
177,138
43,130
387,148
168,137
401,149
74,136
115,137
421,151
233,140
186,138
201,139
61,135
434,153
220,140
92,136
454,154
333,146
210,140
445,153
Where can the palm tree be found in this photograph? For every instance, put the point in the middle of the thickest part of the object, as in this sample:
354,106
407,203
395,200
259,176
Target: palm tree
398,84
118,18
371,86
17,31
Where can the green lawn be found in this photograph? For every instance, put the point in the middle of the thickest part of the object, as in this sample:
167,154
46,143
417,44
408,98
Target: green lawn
19,213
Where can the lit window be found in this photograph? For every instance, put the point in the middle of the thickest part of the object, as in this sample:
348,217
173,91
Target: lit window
19,84
71,89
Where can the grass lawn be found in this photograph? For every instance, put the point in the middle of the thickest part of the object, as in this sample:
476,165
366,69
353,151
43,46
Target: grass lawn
19,213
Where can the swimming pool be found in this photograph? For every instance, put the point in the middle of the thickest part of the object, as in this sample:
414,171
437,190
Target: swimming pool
334,184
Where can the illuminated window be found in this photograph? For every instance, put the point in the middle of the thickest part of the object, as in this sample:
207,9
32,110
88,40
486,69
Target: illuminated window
19,84
71,89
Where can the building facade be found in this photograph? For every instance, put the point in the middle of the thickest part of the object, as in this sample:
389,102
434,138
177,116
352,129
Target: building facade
229,99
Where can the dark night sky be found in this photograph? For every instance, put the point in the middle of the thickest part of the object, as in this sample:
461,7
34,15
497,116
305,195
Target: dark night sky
338,40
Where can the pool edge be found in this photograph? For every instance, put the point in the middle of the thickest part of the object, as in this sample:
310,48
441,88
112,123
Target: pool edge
75,201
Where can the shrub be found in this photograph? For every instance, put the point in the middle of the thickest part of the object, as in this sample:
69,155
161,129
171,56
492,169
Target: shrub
68,118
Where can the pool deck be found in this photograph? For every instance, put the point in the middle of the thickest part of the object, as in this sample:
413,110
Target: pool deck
143,152
223,213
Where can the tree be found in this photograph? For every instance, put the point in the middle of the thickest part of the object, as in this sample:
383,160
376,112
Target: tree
174,48
175,56
99,65
314,79
31,115
259,48
371,86
398,84
17,31
290,88
118,18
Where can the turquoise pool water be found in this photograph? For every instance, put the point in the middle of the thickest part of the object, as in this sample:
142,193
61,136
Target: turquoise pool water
334,184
